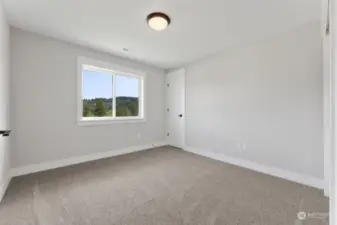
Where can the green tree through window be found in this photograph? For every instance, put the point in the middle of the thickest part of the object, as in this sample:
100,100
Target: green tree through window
100,108
111,95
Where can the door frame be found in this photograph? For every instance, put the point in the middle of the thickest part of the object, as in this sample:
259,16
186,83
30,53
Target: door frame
327,111
332,161
5,67
184,106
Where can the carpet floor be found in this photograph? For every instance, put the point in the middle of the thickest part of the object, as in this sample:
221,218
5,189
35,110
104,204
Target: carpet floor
159,186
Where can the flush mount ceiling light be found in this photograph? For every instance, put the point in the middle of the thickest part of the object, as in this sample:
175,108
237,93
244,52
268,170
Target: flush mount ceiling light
158,21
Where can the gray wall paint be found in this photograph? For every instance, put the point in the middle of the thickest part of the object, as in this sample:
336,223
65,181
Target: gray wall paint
268,95
44,103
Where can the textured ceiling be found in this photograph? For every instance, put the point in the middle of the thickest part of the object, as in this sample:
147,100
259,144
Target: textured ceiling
199,27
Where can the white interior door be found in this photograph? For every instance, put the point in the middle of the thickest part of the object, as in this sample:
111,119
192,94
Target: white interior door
175,110
4,104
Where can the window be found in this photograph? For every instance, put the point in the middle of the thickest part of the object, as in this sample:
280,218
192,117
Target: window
109,93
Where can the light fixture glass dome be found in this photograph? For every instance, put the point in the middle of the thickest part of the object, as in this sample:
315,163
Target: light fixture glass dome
158,21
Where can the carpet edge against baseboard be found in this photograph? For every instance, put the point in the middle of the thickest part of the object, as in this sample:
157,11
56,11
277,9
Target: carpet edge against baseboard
276,172
4,186
33,168
273,171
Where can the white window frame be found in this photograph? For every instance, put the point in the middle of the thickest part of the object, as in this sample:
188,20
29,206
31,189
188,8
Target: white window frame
97,65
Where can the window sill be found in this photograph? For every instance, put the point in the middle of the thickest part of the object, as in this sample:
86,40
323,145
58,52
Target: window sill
107,120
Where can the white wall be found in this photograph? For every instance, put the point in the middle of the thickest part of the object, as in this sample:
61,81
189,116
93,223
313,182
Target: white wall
4,102
268,95
44,103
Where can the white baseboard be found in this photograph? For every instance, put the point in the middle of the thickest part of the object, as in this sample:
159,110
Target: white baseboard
33,168
276,172
295,177
326,189
4,186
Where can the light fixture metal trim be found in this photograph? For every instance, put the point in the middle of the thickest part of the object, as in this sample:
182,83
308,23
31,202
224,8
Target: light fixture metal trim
161,15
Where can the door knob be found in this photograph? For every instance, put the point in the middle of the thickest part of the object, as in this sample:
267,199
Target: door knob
5,133
180,115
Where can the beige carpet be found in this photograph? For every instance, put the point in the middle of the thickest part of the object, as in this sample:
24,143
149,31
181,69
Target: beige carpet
157,187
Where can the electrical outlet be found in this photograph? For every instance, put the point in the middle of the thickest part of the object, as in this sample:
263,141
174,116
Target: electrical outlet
244,145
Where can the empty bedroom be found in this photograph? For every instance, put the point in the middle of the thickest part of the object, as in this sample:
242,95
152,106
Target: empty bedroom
186,112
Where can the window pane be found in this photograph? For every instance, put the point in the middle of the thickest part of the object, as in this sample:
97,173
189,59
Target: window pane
127,96
97,94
